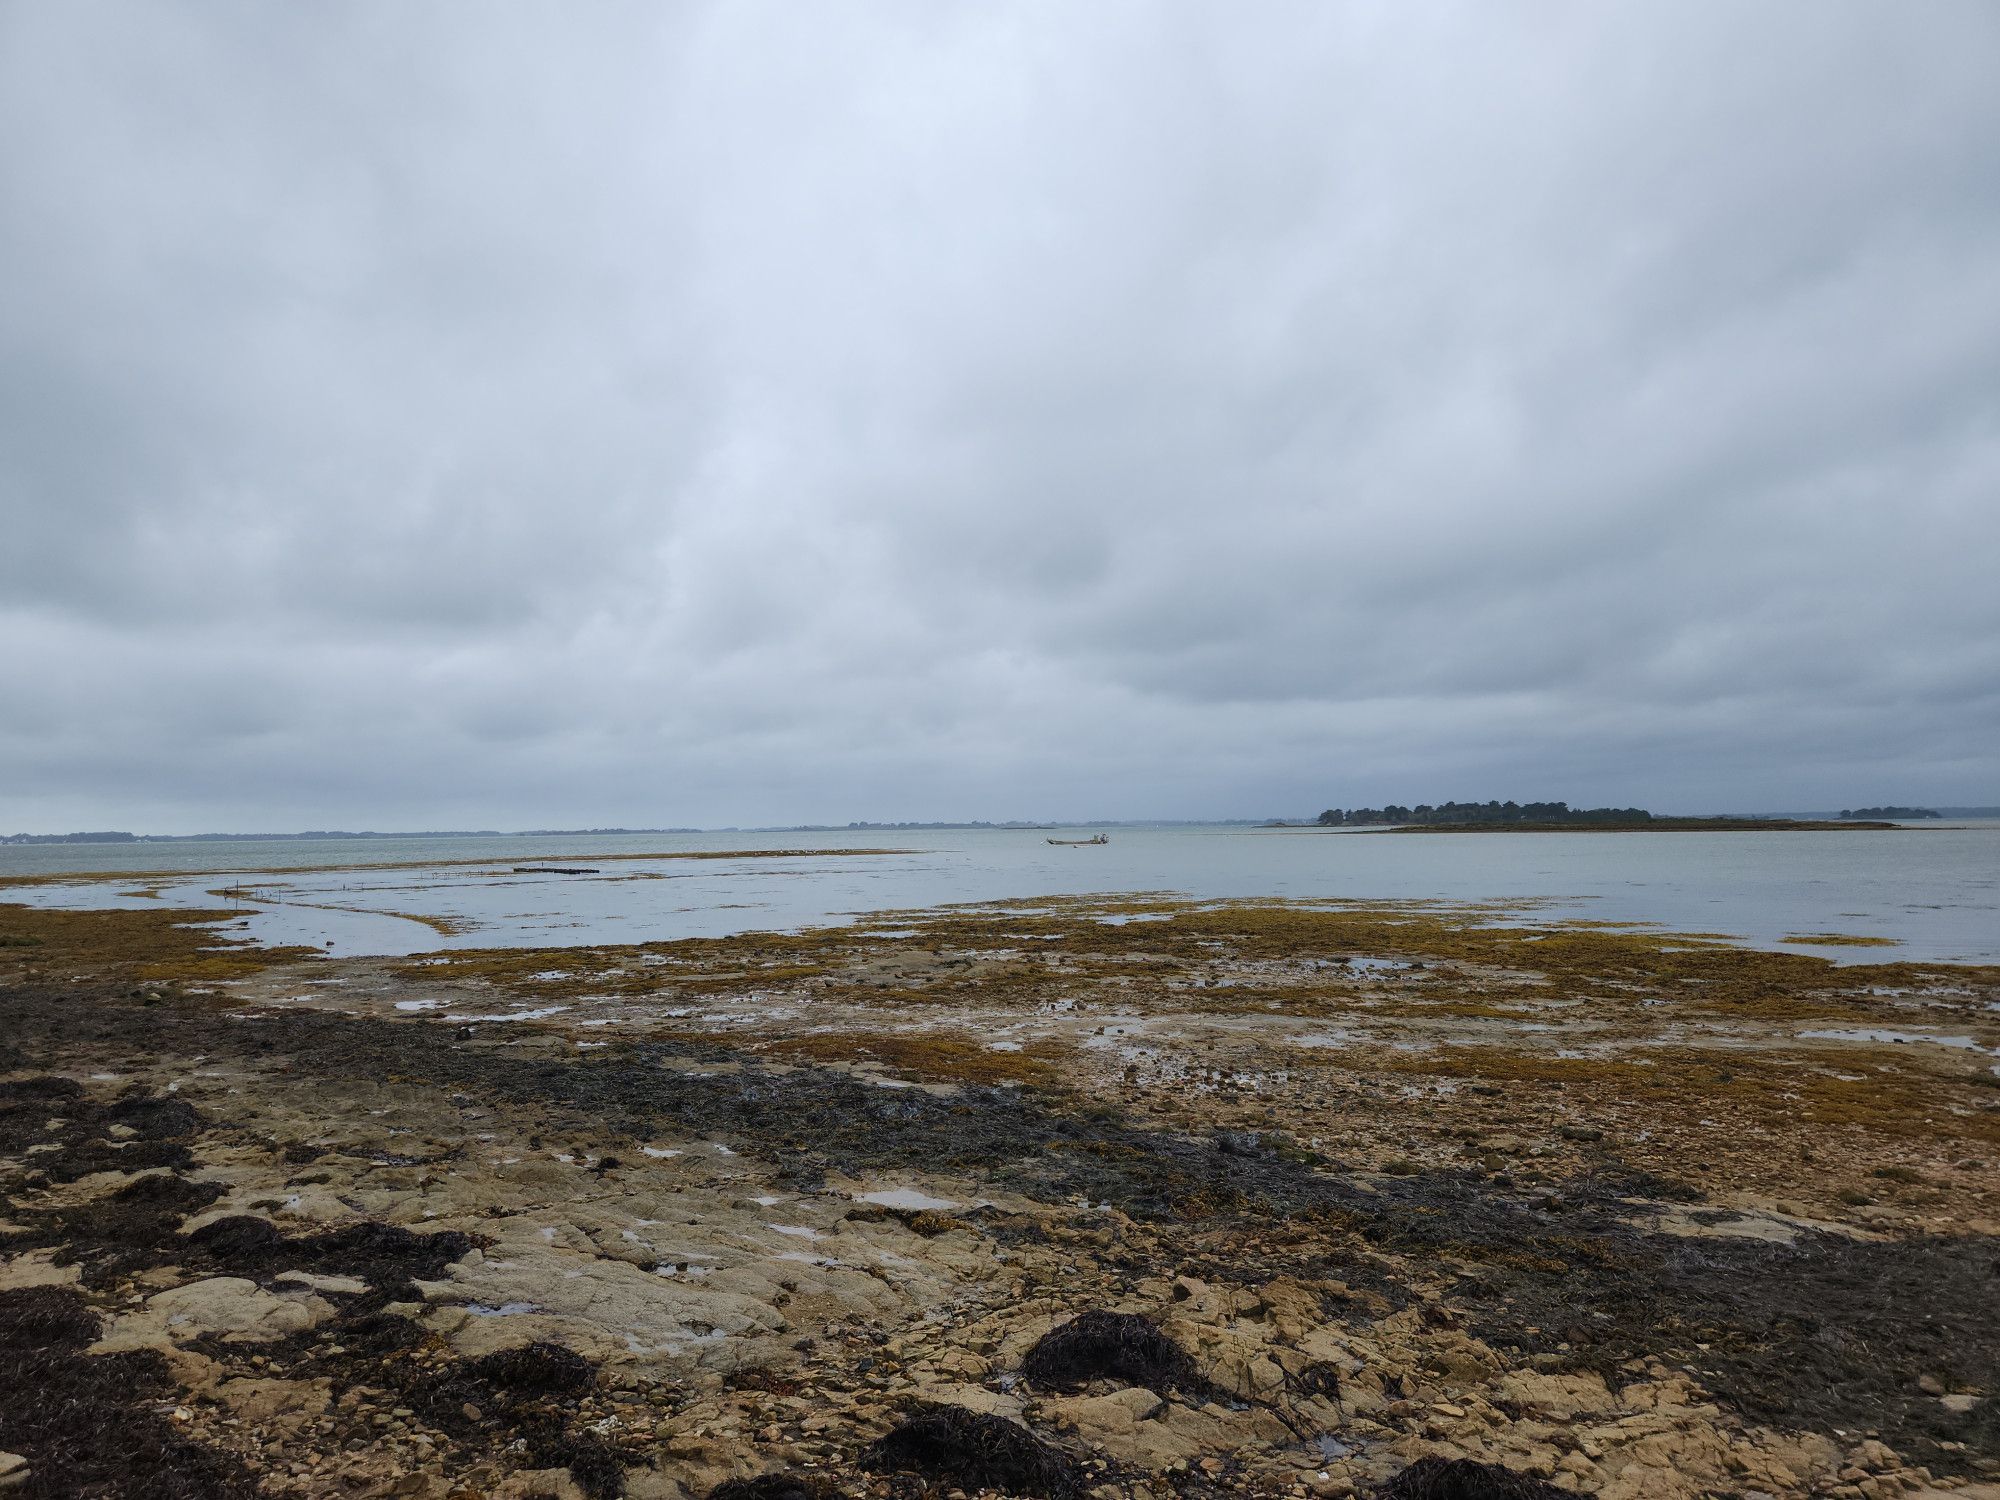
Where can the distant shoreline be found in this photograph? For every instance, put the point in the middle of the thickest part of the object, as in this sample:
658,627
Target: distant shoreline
72,877
1651,825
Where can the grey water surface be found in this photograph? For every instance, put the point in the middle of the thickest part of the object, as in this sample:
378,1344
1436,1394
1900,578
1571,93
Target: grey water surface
1934,890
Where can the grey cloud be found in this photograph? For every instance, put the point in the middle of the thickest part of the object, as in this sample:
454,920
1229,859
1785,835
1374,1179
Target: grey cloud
508,416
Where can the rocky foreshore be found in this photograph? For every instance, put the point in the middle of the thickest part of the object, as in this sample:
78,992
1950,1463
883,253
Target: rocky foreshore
1121,1200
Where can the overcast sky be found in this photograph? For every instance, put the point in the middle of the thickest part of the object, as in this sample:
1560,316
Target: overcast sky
512,415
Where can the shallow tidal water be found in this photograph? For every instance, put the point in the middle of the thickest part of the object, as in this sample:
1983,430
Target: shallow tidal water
1933,890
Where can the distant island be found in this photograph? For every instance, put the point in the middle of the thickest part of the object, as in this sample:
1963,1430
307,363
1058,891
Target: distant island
70,838
1890,812
1482,812
1720,824
1560,817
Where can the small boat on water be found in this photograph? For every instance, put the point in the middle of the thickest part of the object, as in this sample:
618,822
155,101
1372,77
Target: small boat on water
1099,839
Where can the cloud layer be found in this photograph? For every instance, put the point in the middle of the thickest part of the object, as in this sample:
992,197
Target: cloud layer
528,415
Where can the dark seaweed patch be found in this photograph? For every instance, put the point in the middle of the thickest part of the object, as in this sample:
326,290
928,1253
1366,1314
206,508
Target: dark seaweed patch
380,1252
1828,1333
46,1317
384,1255
154,1117
138,1227
86,1157
112,1235
518,1399
47,1088
380,1333
164,1195
539,1367
26,1105
1319,1379
974,1450
237,1239
1120,1347
597,1467
1621,1179
153,1127
517,1396
87,1424
776,1487
1464,1479
443,1396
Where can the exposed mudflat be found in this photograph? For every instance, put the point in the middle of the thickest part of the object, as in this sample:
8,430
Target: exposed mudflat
1132,1199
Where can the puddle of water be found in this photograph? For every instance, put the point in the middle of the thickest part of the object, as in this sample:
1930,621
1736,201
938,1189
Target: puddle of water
504,1310
420,1005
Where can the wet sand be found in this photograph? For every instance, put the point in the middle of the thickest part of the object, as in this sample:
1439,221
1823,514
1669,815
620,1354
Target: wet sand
1617,1212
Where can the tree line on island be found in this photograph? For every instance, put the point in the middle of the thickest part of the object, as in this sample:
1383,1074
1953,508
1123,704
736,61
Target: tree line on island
1480,812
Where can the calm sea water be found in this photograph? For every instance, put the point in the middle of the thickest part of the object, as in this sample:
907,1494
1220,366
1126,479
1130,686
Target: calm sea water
1934,889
